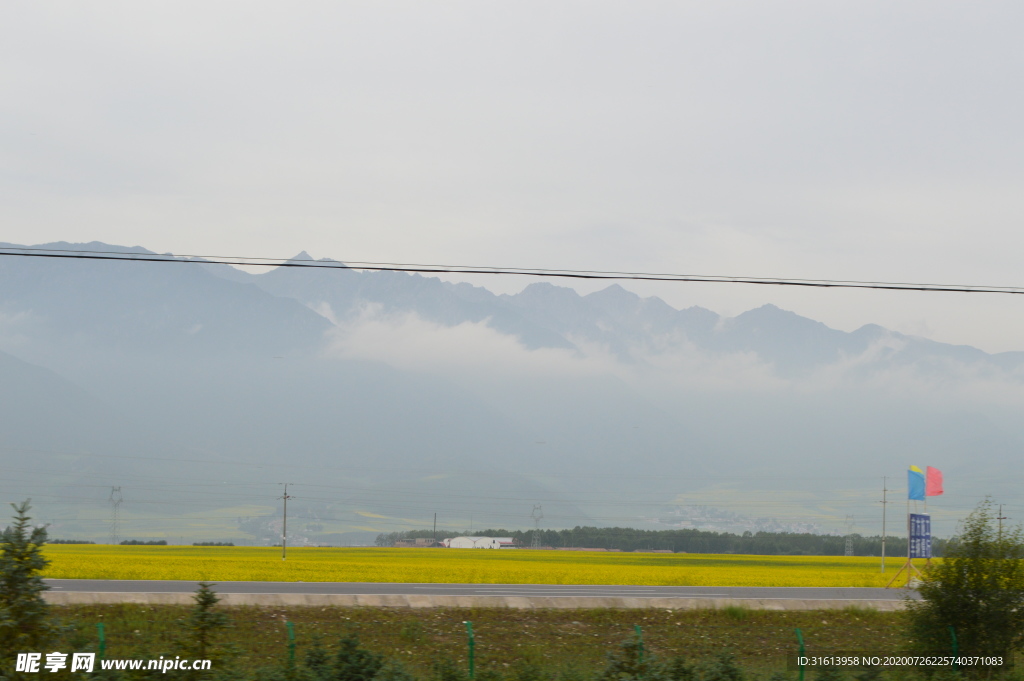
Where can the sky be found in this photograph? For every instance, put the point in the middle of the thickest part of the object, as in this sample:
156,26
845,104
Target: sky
843,140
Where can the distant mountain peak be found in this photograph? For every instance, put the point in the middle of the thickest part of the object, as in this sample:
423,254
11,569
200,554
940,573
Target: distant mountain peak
307,260
613,292
540,286
97,246
547,291
769,311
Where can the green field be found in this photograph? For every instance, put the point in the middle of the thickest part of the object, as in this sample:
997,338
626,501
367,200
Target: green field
215,564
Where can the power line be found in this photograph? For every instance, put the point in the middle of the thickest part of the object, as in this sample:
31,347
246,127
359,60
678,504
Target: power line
392,469
417,501
408,497
413,268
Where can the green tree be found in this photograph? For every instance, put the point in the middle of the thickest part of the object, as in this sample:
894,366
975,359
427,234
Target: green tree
204,622
25,624
201,639
978,589
628,663
355,663
723,667
318,660
678,669
445,669
393,671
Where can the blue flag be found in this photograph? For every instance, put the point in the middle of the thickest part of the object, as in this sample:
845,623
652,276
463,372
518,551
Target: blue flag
915,484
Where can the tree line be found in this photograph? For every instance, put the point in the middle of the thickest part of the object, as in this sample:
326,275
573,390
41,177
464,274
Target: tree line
687,541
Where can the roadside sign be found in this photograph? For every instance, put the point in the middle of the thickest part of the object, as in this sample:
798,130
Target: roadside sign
920,535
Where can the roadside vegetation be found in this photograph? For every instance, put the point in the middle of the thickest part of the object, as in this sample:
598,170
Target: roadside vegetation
25,622
517,645
974,599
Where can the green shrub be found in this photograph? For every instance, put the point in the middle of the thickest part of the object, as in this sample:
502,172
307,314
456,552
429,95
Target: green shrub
628,662
978,589
355,663
446,670
736,612
25,623
722,667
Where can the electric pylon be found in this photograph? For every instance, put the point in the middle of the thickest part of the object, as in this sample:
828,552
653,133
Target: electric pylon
536,514
115,500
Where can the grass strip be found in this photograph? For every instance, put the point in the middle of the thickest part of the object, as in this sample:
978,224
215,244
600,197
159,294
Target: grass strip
550,640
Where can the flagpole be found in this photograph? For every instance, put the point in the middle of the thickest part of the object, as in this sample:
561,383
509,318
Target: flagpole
908,566
884,504
908,560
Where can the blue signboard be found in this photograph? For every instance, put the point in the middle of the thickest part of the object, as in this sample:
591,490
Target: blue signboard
920,535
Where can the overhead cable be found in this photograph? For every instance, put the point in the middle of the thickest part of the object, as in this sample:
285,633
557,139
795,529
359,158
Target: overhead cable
414,268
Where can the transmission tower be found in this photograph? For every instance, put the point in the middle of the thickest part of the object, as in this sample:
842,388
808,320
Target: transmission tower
115,500
849,535
536,514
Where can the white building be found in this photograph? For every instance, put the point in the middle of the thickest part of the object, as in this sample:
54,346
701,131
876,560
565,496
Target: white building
479,543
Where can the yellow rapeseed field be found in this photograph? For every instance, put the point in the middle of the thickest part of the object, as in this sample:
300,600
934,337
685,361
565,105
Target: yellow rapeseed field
219,564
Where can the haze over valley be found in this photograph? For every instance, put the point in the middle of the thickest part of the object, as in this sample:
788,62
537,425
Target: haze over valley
385,397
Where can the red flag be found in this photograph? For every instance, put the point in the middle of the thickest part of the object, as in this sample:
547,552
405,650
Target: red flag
933,482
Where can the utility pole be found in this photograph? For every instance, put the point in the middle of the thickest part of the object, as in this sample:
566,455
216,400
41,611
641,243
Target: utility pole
537,513
115,514
284,524
435,527
885,502
1001,518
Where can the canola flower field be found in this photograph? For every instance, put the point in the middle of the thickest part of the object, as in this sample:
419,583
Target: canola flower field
454,566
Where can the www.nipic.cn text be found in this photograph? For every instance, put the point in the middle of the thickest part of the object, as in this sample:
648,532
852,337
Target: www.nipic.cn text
86,662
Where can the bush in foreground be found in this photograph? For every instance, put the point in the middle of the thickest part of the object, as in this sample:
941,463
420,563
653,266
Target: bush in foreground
24,617
977,590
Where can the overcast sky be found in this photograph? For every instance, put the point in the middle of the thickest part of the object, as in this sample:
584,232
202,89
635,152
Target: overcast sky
843,140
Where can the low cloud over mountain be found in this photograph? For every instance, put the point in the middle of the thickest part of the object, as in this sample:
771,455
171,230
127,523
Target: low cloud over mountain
609,406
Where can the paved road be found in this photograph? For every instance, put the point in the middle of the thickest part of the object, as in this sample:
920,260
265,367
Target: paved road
594,591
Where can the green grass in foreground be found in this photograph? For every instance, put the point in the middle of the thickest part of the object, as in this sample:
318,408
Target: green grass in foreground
551,640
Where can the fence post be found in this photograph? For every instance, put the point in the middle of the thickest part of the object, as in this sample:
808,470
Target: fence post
291,643
956,646
800,661
101,650
639,642
472,649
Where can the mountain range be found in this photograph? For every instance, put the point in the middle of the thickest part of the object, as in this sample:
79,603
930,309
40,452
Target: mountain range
198,388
